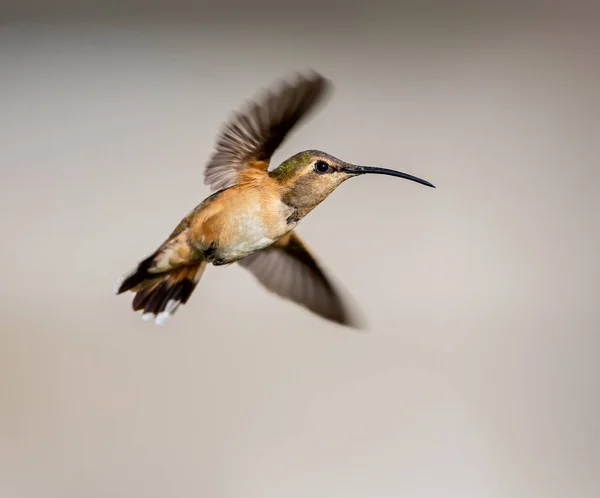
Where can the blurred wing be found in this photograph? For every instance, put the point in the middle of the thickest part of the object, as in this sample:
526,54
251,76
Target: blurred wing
288,269
250,138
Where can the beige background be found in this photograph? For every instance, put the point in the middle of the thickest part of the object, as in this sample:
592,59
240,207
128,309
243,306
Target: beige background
479,377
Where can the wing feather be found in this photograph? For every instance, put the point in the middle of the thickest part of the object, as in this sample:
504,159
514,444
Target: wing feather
288,269
251,137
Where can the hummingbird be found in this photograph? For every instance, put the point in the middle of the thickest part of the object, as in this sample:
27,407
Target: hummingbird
251,216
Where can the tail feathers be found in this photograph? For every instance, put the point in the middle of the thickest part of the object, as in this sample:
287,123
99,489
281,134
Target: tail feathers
139,276
159,296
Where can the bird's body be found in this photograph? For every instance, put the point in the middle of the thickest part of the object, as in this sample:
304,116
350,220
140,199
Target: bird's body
245,218
251,217
237,221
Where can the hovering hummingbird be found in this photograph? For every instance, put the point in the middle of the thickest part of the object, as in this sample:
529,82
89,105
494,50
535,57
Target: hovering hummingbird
251,217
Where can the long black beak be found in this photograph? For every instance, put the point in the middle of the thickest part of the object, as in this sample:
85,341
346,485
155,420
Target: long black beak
362,170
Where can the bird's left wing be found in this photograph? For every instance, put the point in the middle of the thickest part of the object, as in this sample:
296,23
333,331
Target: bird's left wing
287,269
251,137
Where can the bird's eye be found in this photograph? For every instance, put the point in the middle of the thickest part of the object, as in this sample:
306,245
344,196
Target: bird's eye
321,167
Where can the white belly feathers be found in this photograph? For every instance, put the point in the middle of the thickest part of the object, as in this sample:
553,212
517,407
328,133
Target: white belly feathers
250,235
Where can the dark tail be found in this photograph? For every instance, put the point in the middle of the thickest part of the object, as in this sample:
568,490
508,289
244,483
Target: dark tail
159,295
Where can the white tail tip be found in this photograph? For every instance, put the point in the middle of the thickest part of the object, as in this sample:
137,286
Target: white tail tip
162,318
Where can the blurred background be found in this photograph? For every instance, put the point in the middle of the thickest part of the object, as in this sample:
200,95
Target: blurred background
479,376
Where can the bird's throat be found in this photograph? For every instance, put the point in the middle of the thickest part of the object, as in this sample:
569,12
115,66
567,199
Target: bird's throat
297,214
295,217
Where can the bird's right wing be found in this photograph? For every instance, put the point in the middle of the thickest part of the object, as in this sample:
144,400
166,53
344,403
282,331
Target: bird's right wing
251,137
288,269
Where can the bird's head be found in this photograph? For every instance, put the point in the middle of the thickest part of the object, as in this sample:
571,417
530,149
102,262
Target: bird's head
308,177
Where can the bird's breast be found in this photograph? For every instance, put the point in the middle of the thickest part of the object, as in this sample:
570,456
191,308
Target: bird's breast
244,224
